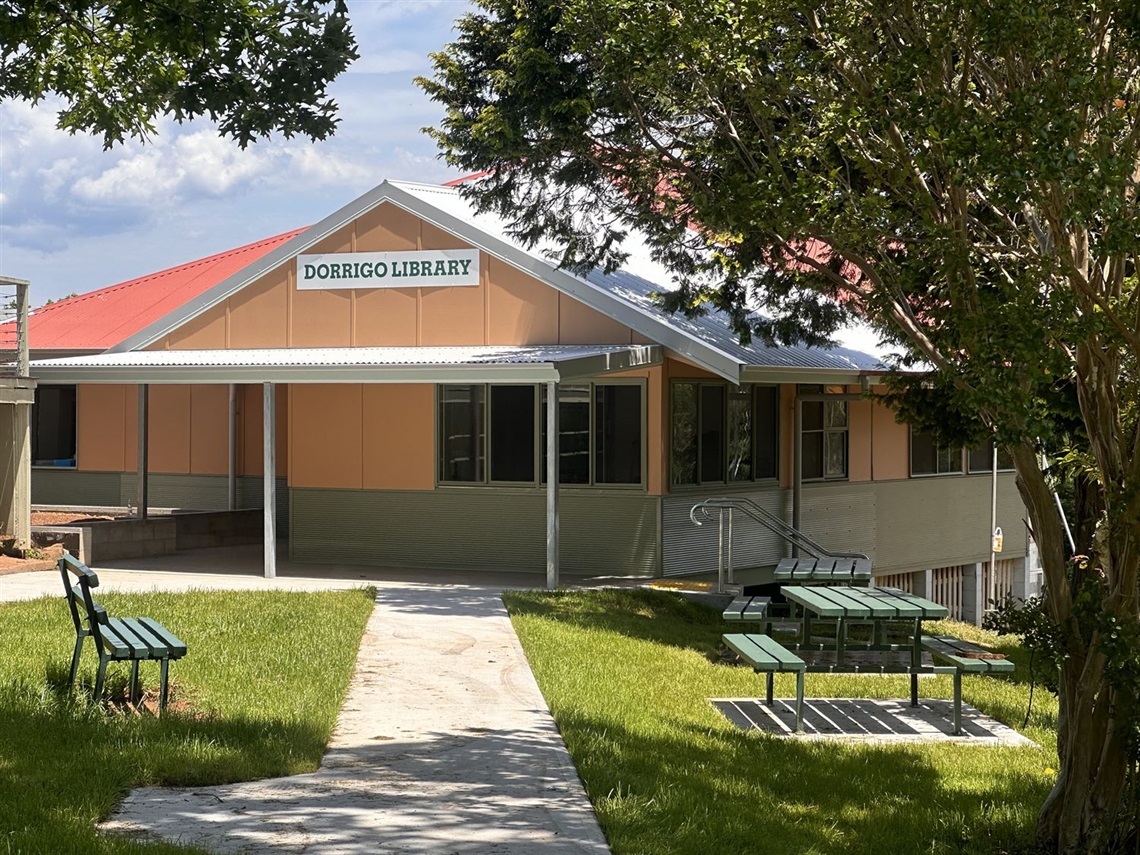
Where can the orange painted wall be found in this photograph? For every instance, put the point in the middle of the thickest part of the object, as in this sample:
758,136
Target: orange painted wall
188,429
326,423
399,437
507,307
891,443
250,454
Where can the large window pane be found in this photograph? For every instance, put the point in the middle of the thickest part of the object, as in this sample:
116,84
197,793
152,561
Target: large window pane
740,435
712,433
461,433
573,435
512,433
683,455
617,434
766,426
928,458
982,458
824,426
53,426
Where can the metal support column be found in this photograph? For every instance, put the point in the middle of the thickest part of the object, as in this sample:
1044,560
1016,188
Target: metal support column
797,467
231,468
144,449
552,485
269,479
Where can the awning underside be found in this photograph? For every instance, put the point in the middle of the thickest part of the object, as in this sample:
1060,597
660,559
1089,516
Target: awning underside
475,364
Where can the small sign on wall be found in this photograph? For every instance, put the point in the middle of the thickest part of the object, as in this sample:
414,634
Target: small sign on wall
429,268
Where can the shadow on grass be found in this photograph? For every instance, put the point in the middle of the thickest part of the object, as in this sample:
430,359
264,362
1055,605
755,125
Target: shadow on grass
65,762
656,616
743,793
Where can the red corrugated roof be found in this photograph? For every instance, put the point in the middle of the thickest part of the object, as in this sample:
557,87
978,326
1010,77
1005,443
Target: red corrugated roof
101,319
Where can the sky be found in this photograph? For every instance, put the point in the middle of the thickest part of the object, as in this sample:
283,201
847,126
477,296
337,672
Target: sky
74,218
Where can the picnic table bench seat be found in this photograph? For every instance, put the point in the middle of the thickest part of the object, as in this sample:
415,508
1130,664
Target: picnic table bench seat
834,571
767,655
747,609
965,656
131,640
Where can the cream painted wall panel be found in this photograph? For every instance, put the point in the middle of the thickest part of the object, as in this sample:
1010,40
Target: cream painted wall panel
326,432
579,324
169,429
209,429
320,319
258,314
387,228
100,424
522,309
452,316
399,437
206,332
386,317
891,445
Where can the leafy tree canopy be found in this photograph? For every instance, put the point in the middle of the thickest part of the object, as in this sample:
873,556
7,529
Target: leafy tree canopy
255,67
963,173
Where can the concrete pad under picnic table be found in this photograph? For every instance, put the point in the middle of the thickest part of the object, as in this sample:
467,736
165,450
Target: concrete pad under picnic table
885,721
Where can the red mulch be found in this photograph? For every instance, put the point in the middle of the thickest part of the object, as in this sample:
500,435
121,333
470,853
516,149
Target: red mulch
64,517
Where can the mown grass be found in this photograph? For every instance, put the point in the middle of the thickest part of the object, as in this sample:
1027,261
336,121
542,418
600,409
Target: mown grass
628,675
257,696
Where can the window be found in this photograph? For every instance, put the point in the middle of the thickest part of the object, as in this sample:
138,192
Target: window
981,458
723,434
495,434
927,458
53,426
824,444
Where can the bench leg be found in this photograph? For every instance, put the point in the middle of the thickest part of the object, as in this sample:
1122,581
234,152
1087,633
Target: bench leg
957,703
799,702
100,677
164,668
914,690
134,690
771,677
75,662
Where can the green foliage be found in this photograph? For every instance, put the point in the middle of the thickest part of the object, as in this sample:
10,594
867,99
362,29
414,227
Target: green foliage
248,702
254,67
628,676
963,174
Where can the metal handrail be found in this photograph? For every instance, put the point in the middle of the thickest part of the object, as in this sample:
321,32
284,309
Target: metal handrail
769,520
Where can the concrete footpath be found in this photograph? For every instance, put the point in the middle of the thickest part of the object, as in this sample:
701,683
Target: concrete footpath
445,744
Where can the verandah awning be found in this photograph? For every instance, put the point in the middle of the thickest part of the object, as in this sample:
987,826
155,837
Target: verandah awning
474,364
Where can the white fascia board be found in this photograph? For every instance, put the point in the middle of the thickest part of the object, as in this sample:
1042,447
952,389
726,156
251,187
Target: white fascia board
600,364
532,372
792,374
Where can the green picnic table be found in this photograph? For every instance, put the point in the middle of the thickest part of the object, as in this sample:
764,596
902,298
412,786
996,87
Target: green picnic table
824,571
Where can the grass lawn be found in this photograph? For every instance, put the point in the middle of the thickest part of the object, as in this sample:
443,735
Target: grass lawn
628,675
256,696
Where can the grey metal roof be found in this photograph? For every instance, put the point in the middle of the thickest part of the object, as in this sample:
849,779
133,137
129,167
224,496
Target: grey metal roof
474,364
715,329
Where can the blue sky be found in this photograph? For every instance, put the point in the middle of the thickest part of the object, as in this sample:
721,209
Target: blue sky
74,218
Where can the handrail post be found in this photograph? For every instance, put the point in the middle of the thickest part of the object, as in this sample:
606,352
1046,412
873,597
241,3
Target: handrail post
730,574
720,551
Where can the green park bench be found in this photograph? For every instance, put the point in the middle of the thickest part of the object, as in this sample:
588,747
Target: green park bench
131,640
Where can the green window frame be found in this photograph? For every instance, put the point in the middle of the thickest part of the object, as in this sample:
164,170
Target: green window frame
723,434
823,437
495,434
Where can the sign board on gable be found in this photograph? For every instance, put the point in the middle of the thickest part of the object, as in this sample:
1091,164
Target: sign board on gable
429,268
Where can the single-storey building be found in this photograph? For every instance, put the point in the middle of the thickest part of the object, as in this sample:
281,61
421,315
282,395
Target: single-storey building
409,354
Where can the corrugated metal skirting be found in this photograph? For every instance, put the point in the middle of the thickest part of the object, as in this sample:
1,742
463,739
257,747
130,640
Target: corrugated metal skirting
479,528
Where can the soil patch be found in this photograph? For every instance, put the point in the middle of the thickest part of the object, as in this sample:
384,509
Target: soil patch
11,564
66,518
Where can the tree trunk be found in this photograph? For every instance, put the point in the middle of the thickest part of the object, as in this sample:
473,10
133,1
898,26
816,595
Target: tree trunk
1083,811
